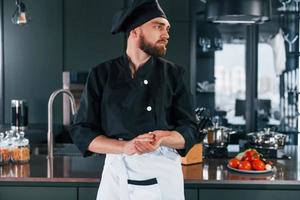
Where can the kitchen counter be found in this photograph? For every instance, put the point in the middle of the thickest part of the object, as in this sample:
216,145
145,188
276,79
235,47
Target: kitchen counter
212,174
79,169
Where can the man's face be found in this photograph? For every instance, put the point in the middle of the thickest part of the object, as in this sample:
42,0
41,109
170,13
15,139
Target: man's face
154,37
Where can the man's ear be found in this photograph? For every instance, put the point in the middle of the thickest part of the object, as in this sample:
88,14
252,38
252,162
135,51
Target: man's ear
135,32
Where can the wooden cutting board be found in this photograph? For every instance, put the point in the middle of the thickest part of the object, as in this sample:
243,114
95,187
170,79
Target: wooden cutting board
193,156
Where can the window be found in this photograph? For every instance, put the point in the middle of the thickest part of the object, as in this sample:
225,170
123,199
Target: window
230,83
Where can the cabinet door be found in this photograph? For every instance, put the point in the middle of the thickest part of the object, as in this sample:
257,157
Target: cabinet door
191,194
91,193
37,193
87,193
225,194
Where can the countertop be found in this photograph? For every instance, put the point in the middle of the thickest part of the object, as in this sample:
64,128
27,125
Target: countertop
76,169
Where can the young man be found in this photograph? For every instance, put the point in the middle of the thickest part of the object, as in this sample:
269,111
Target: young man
137,110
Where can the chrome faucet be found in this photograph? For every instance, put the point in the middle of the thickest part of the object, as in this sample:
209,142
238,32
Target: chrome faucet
50,116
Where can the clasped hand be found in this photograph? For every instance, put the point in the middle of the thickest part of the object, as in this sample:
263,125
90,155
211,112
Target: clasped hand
145,143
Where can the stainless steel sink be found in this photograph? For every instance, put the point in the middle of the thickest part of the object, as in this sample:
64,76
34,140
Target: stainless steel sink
58,150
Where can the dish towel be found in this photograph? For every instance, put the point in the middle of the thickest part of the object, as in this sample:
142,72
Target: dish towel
279,53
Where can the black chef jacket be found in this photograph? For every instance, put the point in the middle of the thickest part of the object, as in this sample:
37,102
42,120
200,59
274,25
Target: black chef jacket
118,106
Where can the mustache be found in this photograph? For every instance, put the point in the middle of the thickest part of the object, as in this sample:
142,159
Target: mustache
163,41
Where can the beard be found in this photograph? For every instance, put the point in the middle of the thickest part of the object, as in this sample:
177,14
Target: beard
152,49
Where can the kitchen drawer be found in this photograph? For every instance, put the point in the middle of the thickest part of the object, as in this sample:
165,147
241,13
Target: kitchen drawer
38,193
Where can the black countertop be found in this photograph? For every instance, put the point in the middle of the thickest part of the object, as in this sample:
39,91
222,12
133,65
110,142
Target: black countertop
76,169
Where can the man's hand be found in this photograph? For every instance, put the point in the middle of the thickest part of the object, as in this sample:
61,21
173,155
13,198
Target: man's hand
131,148
146,146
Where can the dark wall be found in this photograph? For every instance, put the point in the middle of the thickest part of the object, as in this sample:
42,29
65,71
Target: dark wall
205,72
178,13
33,56
71,35
87,37
88,40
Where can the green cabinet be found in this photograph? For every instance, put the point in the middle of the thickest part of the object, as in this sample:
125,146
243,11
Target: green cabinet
191,194
90,193
237,194
38,193
73,191
87,193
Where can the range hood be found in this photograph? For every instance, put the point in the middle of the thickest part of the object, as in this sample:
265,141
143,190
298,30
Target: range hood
238,11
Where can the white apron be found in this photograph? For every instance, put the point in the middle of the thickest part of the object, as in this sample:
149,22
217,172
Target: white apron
151,176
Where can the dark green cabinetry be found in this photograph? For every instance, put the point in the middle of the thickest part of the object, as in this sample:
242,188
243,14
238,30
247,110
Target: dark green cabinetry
191,194
62,193
91,193
37,193
236,194
87,193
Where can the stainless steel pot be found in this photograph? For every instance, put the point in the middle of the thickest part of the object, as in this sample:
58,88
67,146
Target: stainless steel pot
267,139
218,136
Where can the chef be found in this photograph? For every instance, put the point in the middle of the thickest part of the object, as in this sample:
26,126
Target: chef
137,110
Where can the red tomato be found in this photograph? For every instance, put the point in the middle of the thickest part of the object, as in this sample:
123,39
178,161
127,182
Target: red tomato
251,155
234,163
245,165
258,165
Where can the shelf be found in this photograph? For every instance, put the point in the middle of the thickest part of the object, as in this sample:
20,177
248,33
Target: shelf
293,53
289,12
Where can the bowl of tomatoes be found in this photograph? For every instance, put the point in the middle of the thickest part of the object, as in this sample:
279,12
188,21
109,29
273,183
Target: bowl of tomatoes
250,161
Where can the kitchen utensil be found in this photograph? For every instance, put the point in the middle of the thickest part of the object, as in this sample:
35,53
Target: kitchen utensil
267,139
204,122
19,115
218,136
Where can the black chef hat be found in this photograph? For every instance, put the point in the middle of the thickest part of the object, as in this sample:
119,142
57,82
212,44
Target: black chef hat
140,12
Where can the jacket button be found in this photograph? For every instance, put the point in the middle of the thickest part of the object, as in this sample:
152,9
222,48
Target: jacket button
146,82
149,108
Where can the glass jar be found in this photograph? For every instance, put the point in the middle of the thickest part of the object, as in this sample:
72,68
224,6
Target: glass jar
4,150
19,115
10,137
20,152
20,170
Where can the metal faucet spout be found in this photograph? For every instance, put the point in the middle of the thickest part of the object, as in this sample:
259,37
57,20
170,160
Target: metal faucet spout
50,116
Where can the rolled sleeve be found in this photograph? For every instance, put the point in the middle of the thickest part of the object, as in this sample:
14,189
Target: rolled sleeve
183,115
189,139
86,125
